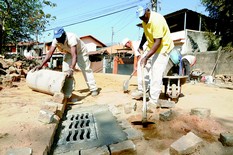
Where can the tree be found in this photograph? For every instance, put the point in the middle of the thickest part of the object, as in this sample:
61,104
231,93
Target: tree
221,11
21,19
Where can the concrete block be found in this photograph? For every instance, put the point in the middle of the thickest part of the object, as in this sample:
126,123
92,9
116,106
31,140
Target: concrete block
55,107
201,112
58,97
19,151
166,104
187,144
226,139
165,116
114,110
45,116
124,124
128,108
96,151
123,148
50,106
133,134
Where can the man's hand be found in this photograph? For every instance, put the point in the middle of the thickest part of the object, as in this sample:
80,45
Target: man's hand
143,62
140,51
70,72
36,68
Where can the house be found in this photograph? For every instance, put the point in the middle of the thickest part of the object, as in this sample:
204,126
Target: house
188,29
92,45
28,49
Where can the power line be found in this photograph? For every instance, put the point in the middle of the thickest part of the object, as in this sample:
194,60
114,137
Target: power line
86,20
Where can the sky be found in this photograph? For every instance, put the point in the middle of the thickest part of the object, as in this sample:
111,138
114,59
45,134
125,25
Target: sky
107,20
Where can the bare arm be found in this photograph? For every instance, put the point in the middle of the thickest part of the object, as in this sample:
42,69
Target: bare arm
48,56
153,50
142,41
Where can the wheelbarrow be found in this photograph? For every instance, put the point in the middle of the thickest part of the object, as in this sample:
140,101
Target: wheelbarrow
196,75
173,85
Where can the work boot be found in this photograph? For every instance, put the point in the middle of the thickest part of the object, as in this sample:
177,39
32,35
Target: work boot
137,94
94,93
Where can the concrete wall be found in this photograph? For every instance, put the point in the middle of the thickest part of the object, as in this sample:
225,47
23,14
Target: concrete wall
206,62
196,40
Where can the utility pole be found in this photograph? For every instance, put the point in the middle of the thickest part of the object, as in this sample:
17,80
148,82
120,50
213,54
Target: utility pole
154,5
112,39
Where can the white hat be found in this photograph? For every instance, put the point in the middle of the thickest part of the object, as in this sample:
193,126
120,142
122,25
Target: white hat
124,41
141,10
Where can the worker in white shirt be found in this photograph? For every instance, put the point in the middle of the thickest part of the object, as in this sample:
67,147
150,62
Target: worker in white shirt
139,54
187,62
75,53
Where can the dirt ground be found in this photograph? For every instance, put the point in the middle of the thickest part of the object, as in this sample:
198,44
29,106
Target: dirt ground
19,109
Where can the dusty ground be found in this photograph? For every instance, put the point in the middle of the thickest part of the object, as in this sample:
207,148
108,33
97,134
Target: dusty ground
19,108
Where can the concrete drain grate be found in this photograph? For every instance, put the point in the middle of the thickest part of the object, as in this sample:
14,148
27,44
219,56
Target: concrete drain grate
88,127
78,127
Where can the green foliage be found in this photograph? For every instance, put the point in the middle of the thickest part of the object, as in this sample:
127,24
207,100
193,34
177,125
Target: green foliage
213,41
221,11
22,19
195,46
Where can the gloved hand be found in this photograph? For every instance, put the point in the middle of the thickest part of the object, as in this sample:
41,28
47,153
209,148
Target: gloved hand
70,72
36,68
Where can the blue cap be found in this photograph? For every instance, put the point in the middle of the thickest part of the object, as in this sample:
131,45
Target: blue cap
58,31
141,10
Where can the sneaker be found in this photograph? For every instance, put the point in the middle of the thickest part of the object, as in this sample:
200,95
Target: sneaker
94,93
137,95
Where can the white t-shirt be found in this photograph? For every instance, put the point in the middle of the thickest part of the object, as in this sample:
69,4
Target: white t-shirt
71,40
191,59
135,45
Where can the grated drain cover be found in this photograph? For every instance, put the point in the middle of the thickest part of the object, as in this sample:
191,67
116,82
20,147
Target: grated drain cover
85,128
80,127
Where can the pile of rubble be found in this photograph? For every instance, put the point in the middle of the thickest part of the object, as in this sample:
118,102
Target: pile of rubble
15,68
227,79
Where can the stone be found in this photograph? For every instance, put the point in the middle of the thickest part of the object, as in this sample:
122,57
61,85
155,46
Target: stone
187,144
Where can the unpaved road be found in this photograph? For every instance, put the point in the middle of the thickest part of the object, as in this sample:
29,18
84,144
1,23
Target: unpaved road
19,109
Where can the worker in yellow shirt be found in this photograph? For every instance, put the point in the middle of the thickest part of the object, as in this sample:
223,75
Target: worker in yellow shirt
160,43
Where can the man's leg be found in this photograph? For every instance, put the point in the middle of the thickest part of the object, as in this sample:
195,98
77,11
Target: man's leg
85,66
139,93
186,66
159,63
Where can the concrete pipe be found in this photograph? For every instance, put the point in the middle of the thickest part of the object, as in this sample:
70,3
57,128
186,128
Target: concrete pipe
50,82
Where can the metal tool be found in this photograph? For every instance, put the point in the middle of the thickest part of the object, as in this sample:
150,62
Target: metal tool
144,121
126,82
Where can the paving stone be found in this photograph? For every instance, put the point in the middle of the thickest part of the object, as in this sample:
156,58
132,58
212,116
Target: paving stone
124,124
128,108
133,134
51,106
75,152
202,112
166,104
114,110
19,151
58,97
123,148
45,116
165,116
187,144
226,139
55,107
96,151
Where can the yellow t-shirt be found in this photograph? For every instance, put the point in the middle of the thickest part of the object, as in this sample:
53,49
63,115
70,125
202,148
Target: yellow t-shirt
157,28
